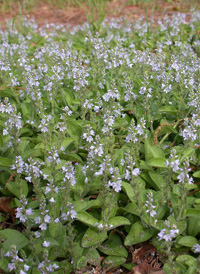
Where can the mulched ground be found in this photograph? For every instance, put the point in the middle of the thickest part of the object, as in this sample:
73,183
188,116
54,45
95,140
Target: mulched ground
75,15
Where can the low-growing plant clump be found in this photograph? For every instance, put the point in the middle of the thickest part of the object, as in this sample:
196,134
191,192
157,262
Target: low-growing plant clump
100,145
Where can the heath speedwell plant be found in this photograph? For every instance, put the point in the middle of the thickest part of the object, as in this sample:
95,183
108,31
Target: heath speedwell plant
99,145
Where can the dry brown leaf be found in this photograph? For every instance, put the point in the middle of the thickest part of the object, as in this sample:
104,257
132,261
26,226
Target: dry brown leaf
139,254
5,205
142,268
158,272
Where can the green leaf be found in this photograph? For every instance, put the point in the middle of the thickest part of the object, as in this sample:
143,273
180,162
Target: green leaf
113,246
7,92
118,221
4,265
67,142
81,262
166,130
120,122
2,123
152,151
188,152
18,188
193,226
196,174
93,257
35,152
138,234
5,162
170,110
1,141
68,96
86,218
182,225
36,271
129,266
157,162
178,267
78,249
26,109
143,165
186,259
84,205
71,157
127,187
13,237
192,212
113,261
190,186
76,102
80,205
74,131
93,237
57,230
188,241
157,179
33,204
132,208
65,267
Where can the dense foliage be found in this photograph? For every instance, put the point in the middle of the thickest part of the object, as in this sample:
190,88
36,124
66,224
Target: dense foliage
100,144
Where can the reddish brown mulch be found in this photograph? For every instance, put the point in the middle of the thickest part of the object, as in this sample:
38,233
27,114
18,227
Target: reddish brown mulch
44,13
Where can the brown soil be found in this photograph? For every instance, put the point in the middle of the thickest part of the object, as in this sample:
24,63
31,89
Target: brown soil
75,15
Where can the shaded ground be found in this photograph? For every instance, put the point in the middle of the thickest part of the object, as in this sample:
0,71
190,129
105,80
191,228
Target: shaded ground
44,13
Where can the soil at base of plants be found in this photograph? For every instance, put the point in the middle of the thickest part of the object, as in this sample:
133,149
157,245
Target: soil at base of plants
74,15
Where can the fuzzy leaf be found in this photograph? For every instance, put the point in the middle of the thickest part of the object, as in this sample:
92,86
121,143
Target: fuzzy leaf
71,157
196,174
86,218
5,162
138,234
129,191
157,162
113,261
113,246
67,142
192,212
152,151
188,241
132,208
13,237
157,179
193,226
36,152
18,188
169,109
93,237
4,265
84,205
74,131
57,230
118,221
1,141
93,257
186,259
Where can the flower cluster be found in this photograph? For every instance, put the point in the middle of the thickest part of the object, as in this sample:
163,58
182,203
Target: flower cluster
136,133
16,263
168,233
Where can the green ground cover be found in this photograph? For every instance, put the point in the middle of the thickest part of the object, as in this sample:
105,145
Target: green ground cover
99,144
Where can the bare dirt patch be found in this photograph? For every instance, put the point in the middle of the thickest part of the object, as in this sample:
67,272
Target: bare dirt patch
75,15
